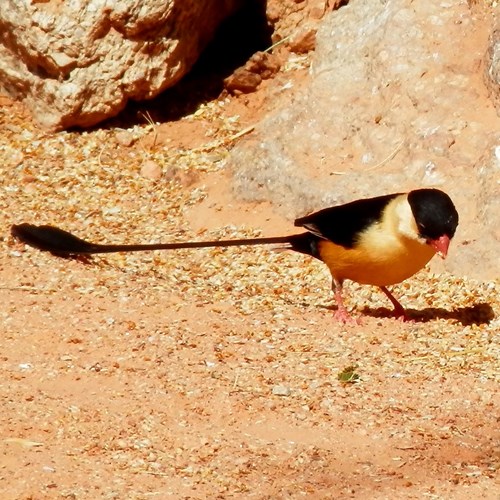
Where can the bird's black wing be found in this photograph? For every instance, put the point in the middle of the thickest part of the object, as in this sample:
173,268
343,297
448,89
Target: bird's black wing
343,224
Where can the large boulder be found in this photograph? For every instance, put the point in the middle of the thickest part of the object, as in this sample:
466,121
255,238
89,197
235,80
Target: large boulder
78,62
396,99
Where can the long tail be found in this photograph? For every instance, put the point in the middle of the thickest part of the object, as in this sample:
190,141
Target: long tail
60,242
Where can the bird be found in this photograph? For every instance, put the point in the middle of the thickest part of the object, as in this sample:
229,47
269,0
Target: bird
377,241
381,241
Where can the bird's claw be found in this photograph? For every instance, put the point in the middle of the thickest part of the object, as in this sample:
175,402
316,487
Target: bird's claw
342,316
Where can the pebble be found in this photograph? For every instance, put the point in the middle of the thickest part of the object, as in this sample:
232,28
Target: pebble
124,138
151,170
281,390
303,42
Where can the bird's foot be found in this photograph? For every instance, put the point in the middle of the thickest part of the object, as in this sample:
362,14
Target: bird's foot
399,311
342,316
403,318
400,314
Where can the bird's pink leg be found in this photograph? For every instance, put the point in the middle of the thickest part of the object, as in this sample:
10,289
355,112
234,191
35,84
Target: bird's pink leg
341,315
399,311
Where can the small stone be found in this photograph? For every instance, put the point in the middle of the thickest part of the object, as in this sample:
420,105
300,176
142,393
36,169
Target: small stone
121,444
151,170
124,138
281,390
242,81
303,42
264,64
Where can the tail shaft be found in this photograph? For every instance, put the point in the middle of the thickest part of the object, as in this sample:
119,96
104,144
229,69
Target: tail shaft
60,242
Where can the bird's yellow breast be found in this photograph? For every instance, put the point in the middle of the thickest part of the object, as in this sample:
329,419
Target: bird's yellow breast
381,257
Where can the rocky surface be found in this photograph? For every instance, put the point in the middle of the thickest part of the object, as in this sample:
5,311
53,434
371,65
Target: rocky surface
492,75
396,99
77,63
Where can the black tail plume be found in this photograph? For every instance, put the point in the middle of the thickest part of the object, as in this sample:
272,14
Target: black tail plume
60,242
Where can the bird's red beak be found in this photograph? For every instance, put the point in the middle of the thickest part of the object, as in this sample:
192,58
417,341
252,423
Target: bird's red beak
440,245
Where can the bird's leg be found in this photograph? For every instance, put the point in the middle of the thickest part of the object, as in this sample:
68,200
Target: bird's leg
399,311
341,313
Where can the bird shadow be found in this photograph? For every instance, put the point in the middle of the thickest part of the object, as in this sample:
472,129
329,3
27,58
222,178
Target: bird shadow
478,314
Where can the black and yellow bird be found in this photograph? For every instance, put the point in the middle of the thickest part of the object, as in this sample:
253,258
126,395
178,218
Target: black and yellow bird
375,241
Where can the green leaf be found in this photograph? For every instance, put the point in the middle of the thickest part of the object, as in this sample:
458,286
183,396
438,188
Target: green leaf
348,375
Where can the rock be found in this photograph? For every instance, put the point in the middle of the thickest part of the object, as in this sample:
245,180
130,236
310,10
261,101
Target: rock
281,390
78,63
264,64
124,138
242,81
151,170
246,79
493,64
318,9
303,41
394,102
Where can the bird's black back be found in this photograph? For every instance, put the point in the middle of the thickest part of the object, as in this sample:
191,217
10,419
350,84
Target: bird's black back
343,224
434,212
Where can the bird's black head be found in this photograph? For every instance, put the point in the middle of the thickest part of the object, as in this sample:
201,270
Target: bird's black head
434,212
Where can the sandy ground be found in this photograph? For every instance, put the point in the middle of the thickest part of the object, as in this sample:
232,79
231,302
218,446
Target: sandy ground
219,373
